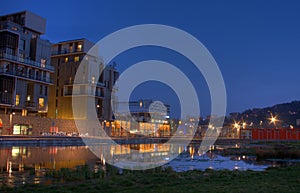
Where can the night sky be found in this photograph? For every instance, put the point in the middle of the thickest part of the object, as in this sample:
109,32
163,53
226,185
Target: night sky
256,44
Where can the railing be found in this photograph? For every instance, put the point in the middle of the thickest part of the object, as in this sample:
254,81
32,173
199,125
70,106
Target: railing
26,61
6,102
30,104
26,76
66,52
98,84
83,93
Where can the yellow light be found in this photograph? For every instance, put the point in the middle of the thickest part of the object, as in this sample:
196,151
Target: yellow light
236,125
273,119
244,124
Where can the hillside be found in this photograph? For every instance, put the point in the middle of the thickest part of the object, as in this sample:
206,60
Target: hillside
286,114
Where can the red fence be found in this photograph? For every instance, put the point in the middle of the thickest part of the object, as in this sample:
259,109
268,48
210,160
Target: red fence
270,134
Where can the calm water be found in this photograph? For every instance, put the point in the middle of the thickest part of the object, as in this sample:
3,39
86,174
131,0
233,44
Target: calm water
21,165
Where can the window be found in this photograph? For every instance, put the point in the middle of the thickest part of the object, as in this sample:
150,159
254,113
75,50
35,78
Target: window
22,44
41,103
24,112
46,91
43,63
79,48
76,58
17,99
66,59
28,98
71,47
41,89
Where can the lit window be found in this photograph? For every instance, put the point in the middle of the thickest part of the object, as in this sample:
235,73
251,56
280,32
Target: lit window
43,63
76,58
24,112
28,98
79,47
41,103
17,100
66,59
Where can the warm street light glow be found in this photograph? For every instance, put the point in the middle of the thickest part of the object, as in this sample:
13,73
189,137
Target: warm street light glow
236,125
273,119
244,124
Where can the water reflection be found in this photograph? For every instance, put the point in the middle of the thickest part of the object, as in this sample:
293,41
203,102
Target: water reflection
195,159
22,165
19,164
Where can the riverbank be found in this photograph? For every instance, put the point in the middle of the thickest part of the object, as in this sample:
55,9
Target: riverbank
15,140
273,180
263,151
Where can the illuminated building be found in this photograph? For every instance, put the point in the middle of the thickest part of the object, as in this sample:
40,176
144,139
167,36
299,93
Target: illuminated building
25,68
147,118
66,58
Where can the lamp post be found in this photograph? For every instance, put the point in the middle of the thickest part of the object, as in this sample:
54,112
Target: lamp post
236,125
10,123
273,120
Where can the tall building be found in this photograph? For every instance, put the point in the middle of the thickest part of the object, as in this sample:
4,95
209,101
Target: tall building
25,68
66,58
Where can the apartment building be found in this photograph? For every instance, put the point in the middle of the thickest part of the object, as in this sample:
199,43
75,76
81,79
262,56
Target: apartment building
66,58
25,68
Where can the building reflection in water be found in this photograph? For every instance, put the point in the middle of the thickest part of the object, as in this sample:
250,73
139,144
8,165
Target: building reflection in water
21,165
18,165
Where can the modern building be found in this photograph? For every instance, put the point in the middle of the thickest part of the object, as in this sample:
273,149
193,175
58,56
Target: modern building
66,57
146,117
25,68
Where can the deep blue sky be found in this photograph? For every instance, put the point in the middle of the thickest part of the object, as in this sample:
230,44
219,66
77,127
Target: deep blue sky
255,43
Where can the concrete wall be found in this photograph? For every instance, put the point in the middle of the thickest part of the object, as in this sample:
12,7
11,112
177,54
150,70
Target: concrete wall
39,124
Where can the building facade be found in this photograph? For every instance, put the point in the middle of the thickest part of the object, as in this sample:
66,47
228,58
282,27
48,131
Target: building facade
25,68
146,117
66,57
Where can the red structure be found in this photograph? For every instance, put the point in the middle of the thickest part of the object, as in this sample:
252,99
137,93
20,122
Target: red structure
271,134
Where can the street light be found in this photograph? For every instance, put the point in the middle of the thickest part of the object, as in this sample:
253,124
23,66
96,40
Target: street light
273,120
244,125
236,125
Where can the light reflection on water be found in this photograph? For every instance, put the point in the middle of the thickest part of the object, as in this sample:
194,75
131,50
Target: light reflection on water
23,165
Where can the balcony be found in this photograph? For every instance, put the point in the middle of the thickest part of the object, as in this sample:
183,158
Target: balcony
6,102
26,76
68,91
27,62
62,52
89,83
87,93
